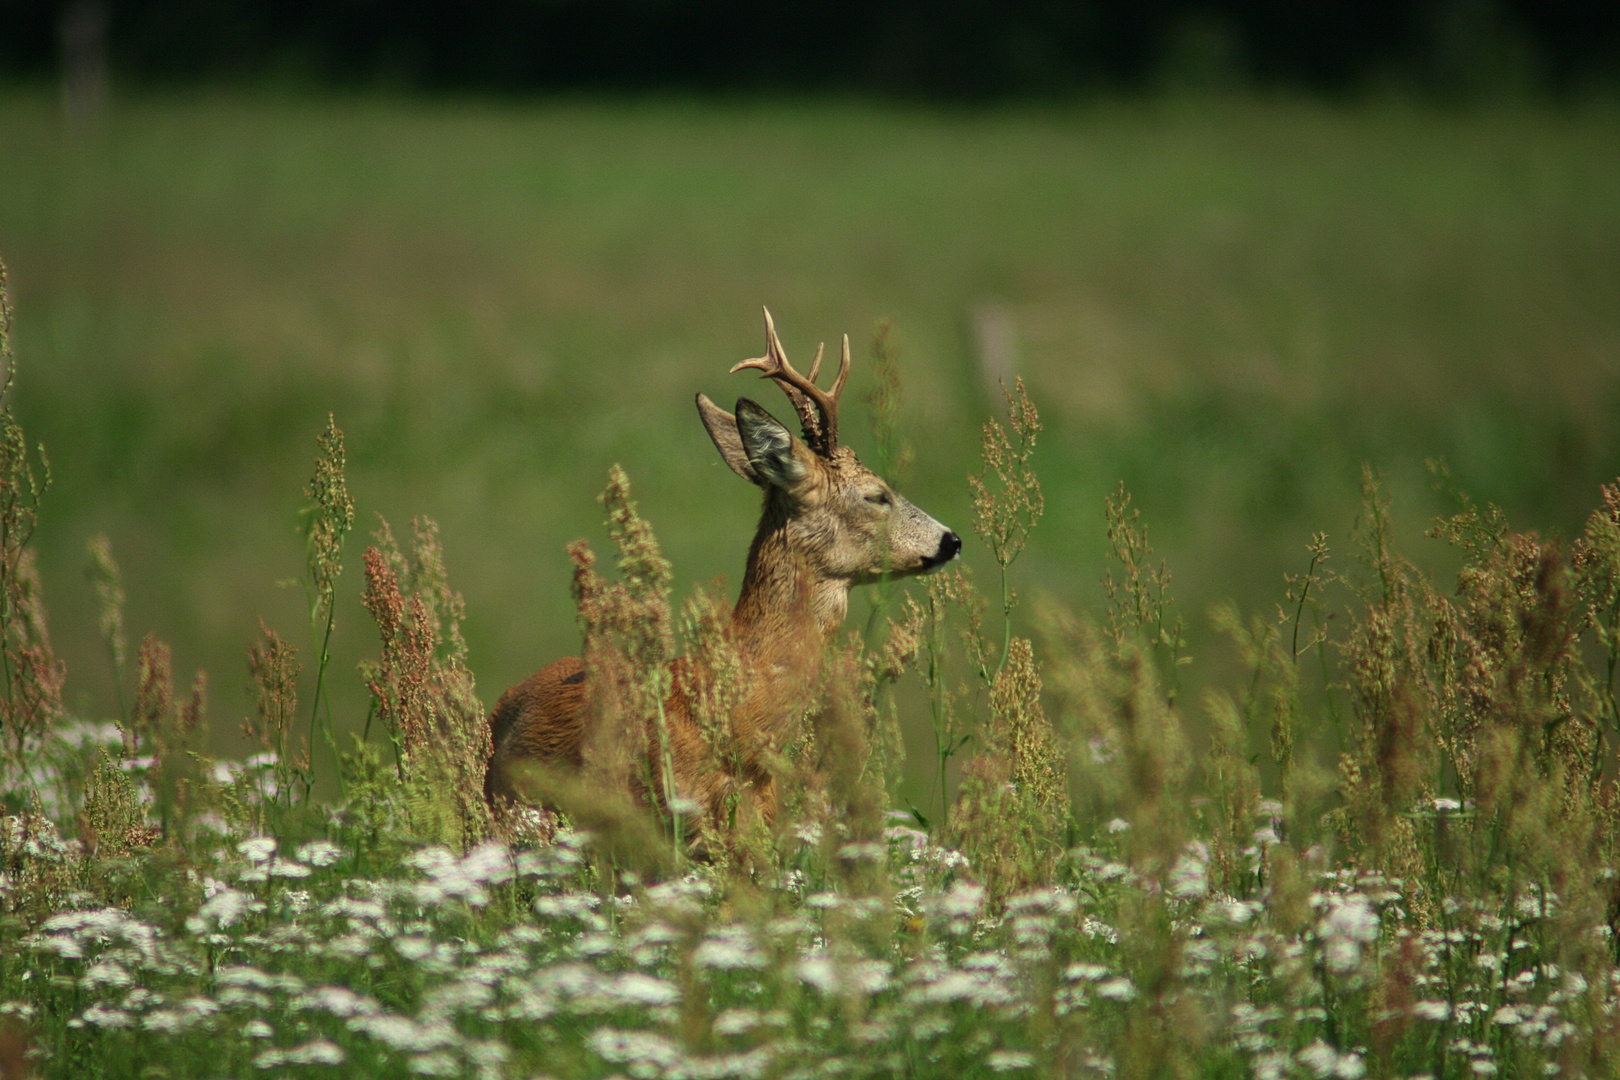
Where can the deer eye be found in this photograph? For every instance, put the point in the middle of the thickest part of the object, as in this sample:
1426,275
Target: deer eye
880,498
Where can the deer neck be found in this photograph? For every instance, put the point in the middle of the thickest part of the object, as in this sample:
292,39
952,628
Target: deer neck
786,612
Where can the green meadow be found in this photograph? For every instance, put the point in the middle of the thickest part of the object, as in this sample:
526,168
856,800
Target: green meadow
1253,780
1229,305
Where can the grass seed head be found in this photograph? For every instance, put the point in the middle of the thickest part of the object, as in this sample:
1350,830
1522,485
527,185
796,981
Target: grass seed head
1006,493
109,586
423,691
331,516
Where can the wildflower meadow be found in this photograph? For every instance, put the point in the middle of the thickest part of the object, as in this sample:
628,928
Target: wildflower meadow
1386,849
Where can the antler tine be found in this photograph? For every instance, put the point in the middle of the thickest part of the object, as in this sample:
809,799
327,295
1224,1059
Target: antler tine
843,373
821,431
829,401
815,365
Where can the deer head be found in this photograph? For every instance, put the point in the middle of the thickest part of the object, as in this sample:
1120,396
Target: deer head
839,521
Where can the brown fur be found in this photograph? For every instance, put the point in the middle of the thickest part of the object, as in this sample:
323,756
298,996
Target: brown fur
828,524
542,718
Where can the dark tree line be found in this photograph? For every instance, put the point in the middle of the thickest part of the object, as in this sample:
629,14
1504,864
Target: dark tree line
933,48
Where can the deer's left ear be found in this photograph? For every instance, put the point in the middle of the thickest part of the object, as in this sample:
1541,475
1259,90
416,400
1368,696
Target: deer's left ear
773,452
722,428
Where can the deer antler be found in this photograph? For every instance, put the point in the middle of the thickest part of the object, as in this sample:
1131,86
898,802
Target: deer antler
820,431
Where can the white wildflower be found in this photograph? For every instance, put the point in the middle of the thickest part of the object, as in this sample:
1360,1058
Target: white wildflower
316,1052
736,1021
105,973
434,1063
319,853
634,1047
247,977
257,1029
596,944
829,974
1272,1066
753,1065
1117,989
730,948
402,1033
578,906
1085,972
865,851
1324,1061
82,733
1189,878
973,988
1117,825
103,1017
413,948
1008,1060
489,1054
1233,911
489,863
1051,901
1349,923
181,1016
258,849
958,906
1350,916
463,995
354,910
818,970
1436,1011
450,876
905,838
644,991
340,1001
1098,930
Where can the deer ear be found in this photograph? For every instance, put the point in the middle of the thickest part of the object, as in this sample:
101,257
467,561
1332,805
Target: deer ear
722,428
771,448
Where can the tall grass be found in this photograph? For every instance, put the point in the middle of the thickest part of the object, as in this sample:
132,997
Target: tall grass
1388,849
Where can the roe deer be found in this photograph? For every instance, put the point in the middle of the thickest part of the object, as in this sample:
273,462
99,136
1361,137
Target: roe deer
828,523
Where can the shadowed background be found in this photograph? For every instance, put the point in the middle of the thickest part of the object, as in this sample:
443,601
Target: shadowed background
1227,282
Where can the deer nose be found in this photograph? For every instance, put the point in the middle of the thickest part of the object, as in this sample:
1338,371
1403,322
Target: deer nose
949,545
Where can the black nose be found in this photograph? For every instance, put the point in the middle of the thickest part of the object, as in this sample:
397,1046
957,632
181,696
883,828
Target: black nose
949,545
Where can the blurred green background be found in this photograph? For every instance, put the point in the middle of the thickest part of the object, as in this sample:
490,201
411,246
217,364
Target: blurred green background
1230,303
